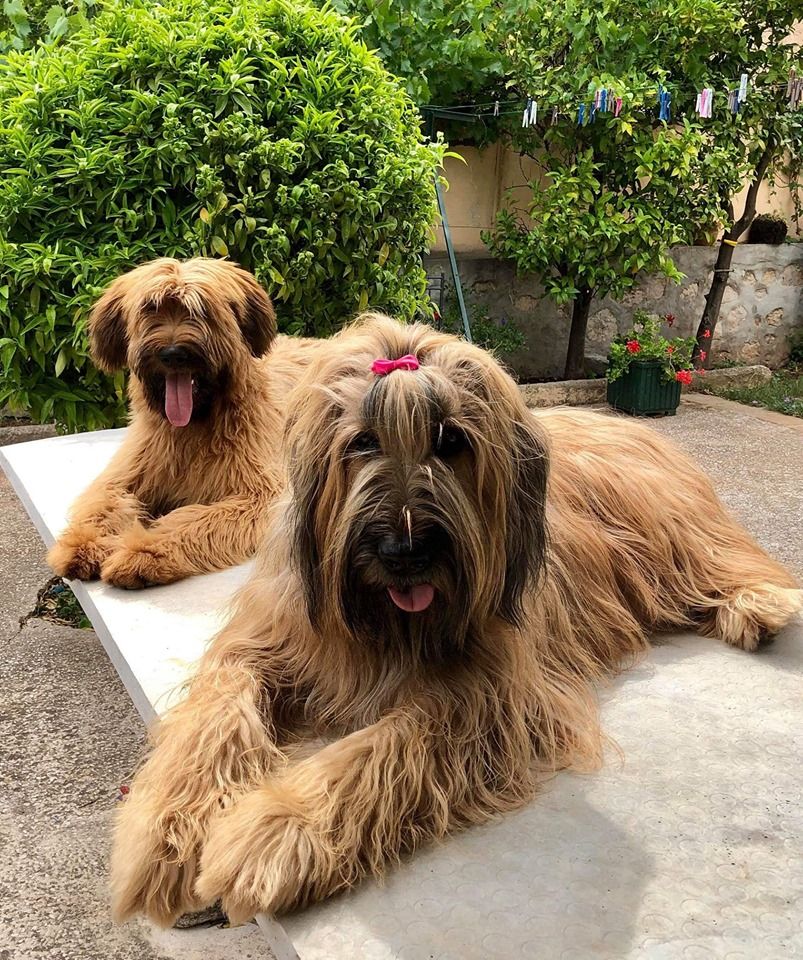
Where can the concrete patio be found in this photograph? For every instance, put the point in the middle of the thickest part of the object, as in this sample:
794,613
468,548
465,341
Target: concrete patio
70,735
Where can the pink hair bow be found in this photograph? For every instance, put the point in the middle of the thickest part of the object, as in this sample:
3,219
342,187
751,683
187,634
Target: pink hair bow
383,367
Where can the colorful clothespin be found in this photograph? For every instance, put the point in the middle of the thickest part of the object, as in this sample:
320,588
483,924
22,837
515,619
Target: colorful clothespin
704,100
581,114
603,101
664,102
743,89
617,109
794,89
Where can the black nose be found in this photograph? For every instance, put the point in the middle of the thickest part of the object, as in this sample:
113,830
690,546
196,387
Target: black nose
404,557
170,356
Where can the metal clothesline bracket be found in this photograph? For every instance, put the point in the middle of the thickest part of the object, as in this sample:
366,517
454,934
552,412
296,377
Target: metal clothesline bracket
430,116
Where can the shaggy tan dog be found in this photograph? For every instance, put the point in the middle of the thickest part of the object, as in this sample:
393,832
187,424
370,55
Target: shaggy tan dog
188,490
431,600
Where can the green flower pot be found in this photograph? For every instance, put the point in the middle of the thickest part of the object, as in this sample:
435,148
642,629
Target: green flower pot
641,391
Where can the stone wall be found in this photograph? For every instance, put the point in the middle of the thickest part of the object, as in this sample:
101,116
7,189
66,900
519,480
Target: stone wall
762,306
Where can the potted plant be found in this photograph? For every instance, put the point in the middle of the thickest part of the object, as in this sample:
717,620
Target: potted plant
647,370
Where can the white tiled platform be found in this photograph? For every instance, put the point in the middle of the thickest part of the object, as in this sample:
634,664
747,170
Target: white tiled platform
689,847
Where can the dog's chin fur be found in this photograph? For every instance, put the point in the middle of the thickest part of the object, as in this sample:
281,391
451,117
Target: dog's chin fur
447,717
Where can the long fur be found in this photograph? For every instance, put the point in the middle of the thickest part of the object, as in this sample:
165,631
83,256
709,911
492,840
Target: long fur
177,501
554,542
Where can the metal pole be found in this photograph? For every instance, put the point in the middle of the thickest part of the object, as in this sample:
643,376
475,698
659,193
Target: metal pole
452,261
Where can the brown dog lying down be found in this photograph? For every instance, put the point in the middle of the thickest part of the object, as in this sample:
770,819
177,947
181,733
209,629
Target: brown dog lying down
188,490
444,576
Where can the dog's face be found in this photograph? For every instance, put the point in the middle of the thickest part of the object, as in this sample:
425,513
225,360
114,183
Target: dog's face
418,496
185,330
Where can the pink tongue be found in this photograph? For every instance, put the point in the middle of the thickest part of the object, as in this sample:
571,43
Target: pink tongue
178,398
413,600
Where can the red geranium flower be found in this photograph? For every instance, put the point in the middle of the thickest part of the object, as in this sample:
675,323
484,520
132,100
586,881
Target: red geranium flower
683,376
670,318
670,350
707,334
703,354
633,346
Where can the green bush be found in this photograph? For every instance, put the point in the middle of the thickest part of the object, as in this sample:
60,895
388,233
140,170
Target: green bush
262,131
24,22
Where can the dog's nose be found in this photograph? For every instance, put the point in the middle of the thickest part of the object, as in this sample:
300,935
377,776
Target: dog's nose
402,556
172,355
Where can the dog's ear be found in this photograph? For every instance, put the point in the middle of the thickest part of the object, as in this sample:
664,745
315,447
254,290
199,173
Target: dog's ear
307,484
526,518
108,336
256,315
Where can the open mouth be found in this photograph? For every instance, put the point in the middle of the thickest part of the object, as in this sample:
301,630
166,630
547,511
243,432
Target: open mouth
178,398
413,600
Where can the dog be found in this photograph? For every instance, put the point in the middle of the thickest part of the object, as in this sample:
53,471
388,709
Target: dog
188,490
443,580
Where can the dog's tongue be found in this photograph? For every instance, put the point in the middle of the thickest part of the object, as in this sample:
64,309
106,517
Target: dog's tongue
178,398
415,599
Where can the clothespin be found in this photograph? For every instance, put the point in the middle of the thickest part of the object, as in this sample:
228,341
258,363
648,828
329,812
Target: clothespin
708,95
597,98
533,113
617,107
698,108
581,114
603,101
743,89
554,116
794,89
525,120
664,102
496,108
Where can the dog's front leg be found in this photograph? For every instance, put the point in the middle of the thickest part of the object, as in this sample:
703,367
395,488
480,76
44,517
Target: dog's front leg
97,519
217,743
357,805
188,541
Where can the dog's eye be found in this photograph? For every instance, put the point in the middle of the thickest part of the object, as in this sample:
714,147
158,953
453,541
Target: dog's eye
365,442
449,441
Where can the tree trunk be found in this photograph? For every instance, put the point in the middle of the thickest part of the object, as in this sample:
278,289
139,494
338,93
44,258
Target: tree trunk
722,268
576,352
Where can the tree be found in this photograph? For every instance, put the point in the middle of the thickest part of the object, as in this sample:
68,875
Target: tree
613,192
611,196
763,133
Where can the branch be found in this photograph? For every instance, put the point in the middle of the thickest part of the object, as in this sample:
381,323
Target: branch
749,212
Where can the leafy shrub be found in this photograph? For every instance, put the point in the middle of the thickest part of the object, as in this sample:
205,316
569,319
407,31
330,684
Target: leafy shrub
500,336
441,48
644,342
263,131
24,22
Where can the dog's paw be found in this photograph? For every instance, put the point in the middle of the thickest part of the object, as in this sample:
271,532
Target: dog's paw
262,856
79,553
154,862
753,616
133,568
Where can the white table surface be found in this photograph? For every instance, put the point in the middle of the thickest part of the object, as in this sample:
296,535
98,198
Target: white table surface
690,847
